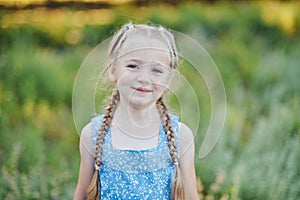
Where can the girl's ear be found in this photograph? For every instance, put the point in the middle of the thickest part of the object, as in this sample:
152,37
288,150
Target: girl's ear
112,73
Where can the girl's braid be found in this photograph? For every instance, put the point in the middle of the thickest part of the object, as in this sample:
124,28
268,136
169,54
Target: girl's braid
168,129
178,190
118,40
169,38
94,187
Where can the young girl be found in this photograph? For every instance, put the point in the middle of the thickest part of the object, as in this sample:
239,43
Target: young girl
136,149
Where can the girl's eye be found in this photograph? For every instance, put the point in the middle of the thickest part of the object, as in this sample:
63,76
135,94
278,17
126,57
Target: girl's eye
131,66
157,71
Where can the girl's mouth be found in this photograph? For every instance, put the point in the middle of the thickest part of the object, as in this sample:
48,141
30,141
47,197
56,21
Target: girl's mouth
140,89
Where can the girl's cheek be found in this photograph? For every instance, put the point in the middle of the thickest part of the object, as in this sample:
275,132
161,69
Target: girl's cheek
160,86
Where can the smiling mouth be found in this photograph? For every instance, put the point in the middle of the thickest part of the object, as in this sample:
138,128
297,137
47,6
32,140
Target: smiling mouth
144,90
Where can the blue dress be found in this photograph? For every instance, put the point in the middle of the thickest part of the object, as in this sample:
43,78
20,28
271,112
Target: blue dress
135,174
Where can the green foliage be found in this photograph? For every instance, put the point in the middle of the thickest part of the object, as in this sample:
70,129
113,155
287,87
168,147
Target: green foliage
257,156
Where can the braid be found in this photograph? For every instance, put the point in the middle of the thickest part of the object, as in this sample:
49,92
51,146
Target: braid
94,187
118,40
169,38
178,190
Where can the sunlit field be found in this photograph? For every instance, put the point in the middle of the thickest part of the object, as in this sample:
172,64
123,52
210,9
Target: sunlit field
256,47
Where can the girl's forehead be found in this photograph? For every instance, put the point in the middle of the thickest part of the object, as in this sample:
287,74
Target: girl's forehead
146,55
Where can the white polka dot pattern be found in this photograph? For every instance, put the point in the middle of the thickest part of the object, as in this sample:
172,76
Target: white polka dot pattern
135,174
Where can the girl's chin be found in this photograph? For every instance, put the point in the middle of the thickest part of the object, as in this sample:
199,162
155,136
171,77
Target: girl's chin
141,103
141,100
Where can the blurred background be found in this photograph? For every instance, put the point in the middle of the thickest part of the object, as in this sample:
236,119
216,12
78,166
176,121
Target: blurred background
255,44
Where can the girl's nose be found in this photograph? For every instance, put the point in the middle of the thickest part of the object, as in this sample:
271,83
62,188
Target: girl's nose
143,77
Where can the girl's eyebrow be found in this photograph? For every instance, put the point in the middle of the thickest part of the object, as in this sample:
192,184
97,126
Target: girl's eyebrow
138,61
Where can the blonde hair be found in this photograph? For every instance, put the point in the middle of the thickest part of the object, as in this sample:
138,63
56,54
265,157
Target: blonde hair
152,32
117,42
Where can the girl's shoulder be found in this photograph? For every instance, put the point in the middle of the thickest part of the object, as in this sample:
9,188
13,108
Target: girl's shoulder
182,131
89,133
185,137
95,123
181,128
86,140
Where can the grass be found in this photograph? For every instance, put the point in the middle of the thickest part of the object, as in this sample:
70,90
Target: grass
257,156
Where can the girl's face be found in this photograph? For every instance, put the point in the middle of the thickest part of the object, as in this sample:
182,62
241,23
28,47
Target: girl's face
142,72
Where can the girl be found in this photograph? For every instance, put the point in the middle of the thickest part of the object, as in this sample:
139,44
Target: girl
136,149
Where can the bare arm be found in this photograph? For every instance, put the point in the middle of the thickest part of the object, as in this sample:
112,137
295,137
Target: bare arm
86,164
186,162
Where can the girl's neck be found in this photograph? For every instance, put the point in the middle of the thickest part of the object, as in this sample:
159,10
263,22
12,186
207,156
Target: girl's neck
141,118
